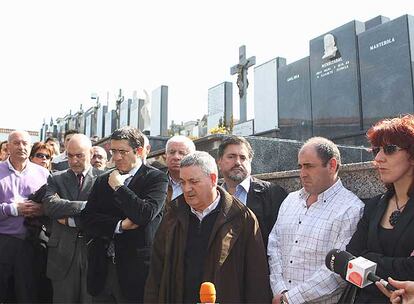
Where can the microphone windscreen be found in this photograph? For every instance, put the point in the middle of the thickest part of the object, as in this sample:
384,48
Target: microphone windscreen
207,293
337,261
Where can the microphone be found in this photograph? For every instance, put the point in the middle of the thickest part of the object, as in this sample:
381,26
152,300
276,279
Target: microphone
207,293
358,271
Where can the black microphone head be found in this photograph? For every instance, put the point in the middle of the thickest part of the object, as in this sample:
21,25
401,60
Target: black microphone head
337,261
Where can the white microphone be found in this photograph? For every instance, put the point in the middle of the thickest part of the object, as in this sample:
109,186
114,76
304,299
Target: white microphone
358,271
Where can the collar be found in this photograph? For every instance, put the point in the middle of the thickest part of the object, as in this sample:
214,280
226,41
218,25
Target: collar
11,168
134,170
326,195
245,184
172,181
208,210
84,172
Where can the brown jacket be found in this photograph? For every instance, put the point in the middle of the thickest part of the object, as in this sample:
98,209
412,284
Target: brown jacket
236,261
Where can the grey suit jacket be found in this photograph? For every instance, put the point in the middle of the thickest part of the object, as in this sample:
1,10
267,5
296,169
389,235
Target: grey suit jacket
63,199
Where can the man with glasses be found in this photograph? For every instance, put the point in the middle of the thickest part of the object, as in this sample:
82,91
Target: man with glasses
99,158
321,216
19,178
66,195
123,212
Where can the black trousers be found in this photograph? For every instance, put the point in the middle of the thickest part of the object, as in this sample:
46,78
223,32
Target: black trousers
17,276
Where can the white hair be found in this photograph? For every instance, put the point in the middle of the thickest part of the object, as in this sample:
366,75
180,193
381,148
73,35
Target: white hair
182,139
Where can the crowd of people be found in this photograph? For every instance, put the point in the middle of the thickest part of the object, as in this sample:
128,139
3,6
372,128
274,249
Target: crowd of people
79,227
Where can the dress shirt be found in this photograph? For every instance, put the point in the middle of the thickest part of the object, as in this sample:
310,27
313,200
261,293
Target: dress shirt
207,211
301,238
71,219
241,190
16,186
176,187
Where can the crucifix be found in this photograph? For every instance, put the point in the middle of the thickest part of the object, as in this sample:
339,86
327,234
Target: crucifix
241,70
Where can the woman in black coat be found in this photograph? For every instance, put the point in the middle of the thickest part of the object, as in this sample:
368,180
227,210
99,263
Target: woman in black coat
385,234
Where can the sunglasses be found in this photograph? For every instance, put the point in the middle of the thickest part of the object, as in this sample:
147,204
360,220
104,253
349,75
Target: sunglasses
42,155
388,149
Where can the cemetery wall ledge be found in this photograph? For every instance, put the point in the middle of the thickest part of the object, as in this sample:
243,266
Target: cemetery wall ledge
361,178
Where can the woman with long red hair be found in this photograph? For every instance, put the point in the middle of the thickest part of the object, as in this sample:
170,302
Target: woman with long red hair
385,234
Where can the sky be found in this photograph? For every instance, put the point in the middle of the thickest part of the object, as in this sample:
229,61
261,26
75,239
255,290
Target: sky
54,54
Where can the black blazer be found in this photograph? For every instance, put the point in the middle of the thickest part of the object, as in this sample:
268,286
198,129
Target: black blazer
365,243
142,202
264,199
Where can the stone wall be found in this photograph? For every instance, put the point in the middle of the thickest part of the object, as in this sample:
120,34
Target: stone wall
360,178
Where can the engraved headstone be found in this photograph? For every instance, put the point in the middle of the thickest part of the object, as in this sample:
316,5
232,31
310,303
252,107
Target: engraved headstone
266,95
295,109
335,81
159,112
220,106
386,56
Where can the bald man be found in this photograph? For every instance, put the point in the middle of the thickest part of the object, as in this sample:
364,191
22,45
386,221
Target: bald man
18,179
99,158
66,195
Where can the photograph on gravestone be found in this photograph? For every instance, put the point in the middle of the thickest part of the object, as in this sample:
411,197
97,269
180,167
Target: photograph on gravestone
386,70
335,82
242,82
294,100
159,112
220,106
266,95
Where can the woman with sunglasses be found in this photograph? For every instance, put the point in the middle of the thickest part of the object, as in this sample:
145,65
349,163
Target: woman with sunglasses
385,233
41,154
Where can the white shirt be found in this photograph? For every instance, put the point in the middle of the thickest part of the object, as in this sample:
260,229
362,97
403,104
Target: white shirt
176,188
302,237
242,190
208,210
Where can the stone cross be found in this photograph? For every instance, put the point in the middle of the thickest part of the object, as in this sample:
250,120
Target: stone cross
241,70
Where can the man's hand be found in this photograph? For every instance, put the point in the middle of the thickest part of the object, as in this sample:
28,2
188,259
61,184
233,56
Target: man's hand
29,208
62,221
127,224
405,291
278,297
115,180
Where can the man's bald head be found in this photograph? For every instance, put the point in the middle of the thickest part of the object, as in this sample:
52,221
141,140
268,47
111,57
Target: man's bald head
19,144
79,150
99,158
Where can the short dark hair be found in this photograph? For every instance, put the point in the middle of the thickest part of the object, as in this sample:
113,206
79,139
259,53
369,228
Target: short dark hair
70,132
132,135
325,149
234,140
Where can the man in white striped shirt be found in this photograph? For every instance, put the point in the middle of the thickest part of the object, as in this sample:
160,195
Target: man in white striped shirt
321,216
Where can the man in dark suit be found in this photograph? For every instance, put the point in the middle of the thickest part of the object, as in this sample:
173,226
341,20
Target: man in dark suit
66,195
263,198
123,212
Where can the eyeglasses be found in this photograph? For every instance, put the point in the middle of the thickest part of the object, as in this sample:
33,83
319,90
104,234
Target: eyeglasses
42,155
388,149
121,152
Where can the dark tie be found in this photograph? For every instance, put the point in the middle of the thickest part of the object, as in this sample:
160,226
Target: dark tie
80,180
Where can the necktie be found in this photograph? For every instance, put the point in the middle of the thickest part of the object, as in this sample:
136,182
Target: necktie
80,180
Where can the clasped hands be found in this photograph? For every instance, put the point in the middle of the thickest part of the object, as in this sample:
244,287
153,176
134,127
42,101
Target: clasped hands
29,208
